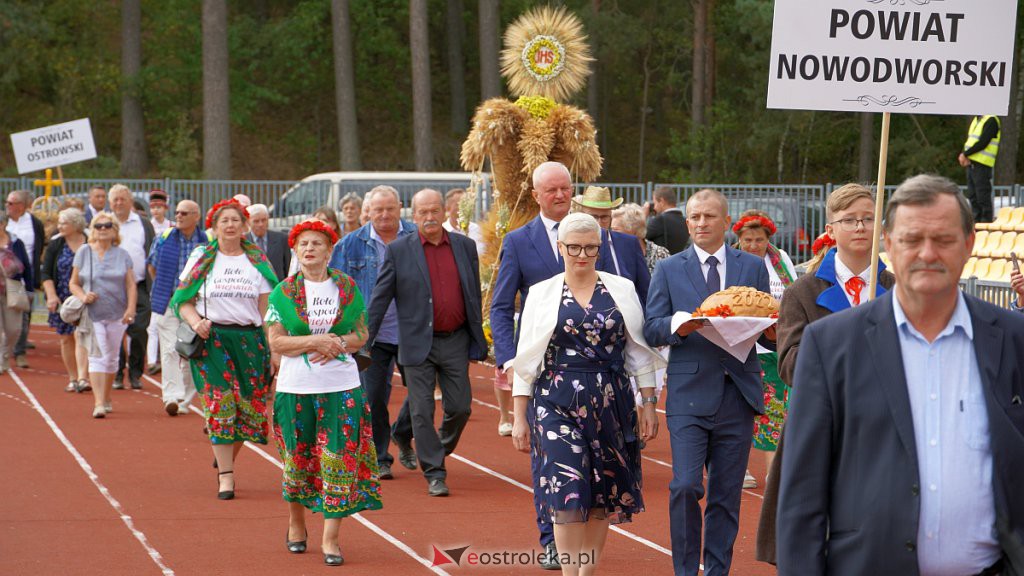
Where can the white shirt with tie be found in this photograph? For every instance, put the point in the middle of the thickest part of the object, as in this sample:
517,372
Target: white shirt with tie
704,267
844,275
551,227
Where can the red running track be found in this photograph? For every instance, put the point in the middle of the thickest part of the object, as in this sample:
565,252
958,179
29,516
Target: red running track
135,493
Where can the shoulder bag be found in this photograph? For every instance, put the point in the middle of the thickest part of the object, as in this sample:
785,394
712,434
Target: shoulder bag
187,343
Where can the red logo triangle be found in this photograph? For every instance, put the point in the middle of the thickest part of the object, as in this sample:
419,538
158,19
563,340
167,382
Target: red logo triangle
440,559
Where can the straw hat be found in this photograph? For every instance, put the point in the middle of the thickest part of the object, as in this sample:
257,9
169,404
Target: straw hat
597,197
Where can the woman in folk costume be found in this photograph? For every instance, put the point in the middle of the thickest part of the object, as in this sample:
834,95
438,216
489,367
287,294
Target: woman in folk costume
581,337
223,297
836,279
315,320
754,230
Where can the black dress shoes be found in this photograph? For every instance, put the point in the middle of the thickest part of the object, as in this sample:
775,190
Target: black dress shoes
437,487
296,546
333,559
549,561
225,494
406,455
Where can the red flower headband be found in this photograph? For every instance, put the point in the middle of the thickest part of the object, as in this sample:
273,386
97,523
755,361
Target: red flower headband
825,241
765,223
311,226
216,208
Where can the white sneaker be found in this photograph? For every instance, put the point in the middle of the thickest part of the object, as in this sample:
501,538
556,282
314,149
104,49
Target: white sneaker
749,481
182,409
505,429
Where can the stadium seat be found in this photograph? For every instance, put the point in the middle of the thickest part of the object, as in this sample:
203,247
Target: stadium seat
981,267
980,237
1003,217
999,271
968,270
1006,244
1016,222
990,245
884,257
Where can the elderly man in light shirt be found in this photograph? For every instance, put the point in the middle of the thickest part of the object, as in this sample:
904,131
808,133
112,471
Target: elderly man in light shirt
905,436
23,225
136,237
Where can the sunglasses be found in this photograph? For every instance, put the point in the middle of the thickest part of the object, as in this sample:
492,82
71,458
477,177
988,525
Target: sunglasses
182,213
103,226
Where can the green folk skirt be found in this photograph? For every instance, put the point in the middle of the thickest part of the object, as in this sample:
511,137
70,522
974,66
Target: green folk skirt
233,377
326,443
768,426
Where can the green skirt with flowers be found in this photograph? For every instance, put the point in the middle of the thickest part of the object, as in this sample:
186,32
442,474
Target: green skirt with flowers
768,426
233,378
326,444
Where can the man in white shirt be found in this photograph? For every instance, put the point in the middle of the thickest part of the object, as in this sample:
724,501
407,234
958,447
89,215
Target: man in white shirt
29,229
136,237
451,224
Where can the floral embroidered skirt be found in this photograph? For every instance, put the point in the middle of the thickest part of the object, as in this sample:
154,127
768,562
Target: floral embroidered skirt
233,377
583,434
768,426
326,443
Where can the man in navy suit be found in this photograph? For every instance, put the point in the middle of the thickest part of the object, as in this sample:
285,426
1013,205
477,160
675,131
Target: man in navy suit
624,257
712,396
529,255
905,435
433,277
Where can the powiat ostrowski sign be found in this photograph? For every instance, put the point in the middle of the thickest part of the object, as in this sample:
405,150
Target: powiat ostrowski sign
915,56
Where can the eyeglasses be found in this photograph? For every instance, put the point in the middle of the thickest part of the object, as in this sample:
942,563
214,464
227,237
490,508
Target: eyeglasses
850,224
183,212
103,225
590,250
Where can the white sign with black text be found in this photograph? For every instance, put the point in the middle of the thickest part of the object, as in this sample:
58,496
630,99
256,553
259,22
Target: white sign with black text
52,146
913,56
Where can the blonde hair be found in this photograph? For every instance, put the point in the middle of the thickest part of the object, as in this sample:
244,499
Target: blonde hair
632,218
840,199
109,217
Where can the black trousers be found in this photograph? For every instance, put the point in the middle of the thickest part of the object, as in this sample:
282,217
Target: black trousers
447,364
137,331
979,191
376,382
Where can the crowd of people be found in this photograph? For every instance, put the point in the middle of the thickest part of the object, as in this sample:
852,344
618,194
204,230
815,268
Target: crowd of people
892,430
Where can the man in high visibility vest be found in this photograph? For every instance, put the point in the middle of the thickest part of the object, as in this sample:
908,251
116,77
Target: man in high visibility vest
979,157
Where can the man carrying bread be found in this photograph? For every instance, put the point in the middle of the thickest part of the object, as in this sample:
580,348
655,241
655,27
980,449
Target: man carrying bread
712,396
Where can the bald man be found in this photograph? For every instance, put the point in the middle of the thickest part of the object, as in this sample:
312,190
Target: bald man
166,262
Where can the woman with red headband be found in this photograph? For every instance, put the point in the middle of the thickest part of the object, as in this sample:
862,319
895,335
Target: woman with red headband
316,320
836,279
754,230
223,297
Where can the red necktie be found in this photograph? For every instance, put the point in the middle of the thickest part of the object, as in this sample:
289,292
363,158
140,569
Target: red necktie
853,288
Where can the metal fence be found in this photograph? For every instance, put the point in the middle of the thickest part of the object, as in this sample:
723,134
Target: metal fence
998,293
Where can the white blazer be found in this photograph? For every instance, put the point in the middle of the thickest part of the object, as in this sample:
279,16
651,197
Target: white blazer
540,315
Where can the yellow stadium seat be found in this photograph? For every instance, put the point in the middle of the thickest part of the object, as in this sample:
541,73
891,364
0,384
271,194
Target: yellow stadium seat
1016,221
980,237
968,270
991,243
884,257
981,267
1006,244
1003,217
999,271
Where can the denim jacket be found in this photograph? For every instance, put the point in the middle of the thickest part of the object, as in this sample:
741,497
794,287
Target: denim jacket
356,255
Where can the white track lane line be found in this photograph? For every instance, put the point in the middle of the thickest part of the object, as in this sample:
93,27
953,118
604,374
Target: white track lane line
87,468
358,517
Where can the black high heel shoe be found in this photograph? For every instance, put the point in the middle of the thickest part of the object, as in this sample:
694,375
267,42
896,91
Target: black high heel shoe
333,559
225,494
296,546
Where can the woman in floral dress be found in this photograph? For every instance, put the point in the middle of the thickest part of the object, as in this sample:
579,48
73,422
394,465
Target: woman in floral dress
321,417
58,260
581,337
223,297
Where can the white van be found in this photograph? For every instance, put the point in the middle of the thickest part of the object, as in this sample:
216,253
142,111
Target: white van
328,188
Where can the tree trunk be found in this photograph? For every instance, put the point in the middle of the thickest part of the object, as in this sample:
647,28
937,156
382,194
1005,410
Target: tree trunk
490,42
866,159
421,107
345,88
593,96
700,30
134,159
710,62
644,112
1009,140
457,67
216,103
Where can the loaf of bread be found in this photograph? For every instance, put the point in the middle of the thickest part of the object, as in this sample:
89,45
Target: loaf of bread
739,301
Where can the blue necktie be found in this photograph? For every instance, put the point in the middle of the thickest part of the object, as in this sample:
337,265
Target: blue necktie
714,279
558,253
